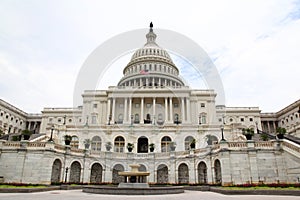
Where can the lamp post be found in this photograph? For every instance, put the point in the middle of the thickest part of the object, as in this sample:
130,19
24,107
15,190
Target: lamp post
222,132
51,139
66,176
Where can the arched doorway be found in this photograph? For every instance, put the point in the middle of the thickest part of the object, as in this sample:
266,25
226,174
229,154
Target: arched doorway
183,173
75,172
202,173
56,171
142,145
115,176
162,174
96,173
218,173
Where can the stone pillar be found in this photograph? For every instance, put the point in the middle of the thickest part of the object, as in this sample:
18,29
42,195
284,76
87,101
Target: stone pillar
129,110
113,110
142,111
108,109
125,110
166,109
274,126
171,110
141,82
159,82
188,110
182,110
269,130
154,101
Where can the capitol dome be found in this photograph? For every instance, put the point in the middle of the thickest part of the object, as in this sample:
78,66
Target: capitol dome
151,65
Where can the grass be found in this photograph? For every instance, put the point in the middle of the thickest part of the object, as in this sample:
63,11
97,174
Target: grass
259,188
23,186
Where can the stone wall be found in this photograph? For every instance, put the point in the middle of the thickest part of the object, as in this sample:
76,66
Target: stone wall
228,163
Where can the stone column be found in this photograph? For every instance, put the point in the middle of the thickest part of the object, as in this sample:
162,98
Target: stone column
171,110
129,110
125,110
182,110
159,82
188,112
166,109
113,110
154,101
108,109
269,130
142,111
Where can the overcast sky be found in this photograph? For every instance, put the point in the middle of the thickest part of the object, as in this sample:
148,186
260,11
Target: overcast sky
255,45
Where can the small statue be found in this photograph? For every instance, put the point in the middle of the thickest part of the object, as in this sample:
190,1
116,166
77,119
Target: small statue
151,25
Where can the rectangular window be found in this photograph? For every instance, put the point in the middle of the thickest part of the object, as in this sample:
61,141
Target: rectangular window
242,119
94,119
251,119
202,105
121,105
137,105
95,105
175,105
148,105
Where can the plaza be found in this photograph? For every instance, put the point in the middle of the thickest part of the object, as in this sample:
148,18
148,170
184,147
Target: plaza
191,195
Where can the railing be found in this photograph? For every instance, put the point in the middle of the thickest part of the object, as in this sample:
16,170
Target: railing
237,145
264,145
285,144
294,147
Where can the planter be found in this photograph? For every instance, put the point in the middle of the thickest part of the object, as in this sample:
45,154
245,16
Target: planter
249,137
151,149
26,137
172,148
86,146
67,142
280,136
129,149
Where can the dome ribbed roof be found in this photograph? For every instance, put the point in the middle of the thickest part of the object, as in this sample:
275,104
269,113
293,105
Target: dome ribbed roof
153,61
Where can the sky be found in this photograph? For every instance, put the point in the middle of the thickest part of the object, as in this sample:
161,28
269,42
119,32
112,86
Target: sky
255,45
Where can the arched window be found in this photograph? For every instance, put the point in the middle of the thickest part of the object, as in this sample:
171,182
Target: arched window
119,144
165,144
74,142
187,142
211,139
96,143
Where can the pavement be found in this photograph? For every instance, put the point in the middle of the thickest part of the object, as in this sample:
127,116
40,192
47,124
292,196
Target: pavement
190,195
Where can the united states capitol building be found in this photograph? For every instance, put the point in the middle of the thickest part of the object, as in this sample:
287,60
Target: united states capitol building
154,119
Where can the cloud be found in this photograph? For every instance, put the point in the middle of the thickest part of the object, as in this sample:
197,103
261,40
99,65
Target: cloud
254,45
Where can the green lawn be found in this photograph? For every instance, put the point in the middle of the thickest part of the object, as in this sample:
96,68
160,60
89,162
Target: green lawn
260,188
23,186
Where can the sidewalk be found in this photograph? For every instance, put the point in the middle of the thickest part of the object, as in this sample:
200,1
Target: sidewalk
190,195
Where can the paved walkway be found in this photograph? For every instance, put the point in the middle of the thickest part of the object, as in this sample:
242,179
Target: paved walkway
78,195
